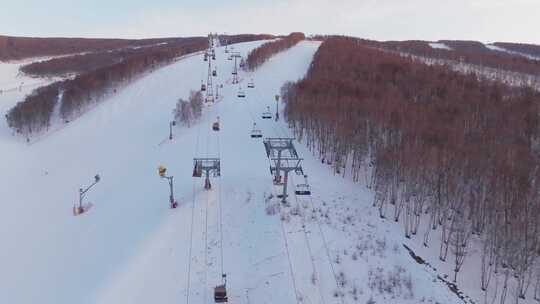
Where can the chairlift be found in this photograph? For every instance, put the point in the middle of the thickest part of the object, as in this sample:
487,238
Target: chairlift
215,125
251,85
214,73
304,188
220,294
241,94
203,87
220,291
213,57
205,56
256,132
267,114
242,63
209,98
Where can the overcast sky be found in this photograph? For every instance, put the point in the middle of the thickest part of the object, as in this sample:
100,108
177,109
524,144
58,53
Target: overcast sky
484,20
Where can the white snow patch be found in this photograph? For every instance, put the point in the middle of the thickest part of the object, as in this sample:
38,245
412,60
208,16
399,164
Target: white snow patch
438,45
501,49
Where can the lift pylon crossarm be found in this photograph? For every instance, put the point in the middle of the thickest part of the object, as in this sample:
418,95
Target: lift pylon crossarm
275,147
207,167
287,163
210,165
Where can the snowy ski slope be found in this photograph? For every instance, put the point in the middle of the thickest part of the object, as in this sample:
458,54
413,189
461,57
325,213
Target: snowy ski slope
131,248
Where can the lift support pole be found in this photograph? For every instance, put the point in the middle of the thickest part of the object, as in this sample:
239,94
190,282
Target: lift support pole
286,165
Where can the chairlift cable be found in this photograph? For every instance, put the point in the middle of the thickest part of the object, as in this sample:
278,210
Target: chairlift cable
192,222
308,245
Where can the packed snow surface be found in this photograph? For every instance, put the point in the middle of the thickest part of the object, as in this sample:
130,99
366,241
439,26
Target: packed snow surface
329,247
501,49
438,45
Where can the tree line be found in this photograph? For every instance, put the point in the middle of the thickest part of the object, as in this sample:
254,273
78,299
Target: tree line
33,114
444,153
528,49
232,39
83,63
260,55
25,47
470,52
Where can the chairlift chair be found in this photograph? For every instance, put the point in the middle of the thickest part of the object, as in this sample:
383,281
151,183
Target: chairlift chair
256,133
215,125
241,94
214,73
220,291
303,189
203,87
267,114
251,85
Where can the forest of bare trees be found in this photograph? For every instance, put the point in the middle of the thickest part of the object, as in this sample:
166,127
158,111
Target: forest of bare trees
529,49
13,48
232,39
33,114
259,55
90,61
470,52
99,75
445,153
189,111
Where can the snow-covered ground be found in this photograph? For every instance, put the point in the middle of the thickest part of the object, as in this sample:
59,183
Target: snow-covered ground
501,49
439,45
131,248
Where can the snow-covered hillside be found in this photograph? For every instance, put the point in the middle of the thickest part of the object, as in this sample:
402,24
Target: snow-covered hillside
131,248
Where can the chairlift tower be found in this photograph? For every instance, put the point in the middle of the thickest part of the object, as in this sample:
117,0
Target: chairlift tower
286,165
207,167
235,72
209,87
284,157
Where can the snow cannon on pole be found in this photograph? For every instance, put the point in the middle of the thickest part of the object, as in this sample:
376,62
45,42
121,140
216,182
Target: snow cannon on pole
82,207
162,172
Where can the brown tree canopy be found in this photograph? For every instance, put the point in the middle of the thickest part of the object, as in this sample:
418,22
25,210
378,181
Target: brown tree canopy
33,114
26,47
259,55
431,141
